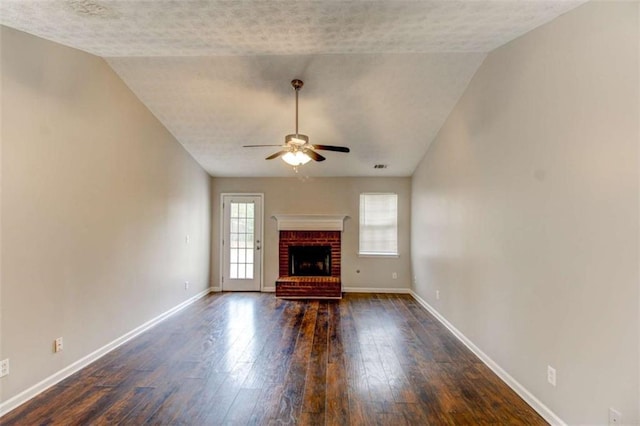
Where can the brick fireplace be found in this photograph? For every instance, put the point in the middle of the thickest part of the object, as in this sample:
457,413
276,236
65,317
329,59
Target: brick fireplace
309,256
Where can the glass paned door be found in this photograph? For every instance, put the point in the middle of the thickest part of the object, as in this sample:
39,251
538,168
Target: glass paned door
242,224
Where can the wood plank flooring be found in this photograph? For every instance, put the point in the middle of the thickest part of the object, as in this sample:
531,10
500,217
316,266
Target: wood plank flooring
249,358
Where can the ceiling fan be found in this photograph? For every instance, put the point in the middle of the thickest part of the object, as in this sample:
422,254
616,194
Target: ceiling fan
297,150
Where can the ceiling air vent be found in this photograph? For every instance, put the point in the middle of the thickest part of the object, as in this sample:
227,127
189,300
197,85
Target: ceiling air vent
380,166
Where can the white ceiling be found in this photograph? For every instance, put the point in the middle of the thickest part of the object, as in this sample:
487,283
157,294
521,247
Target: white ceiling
380,76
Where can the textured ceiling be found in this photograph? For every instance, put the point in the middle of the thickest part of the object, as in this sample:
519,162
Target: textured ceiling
380,76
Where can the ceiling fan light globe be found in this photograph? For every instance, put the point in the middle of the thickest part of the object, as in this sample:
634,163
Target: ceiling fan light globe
297,158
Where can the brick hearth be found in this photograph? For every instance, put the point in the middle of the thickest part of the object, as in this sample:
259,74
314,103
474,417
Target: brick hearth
309,287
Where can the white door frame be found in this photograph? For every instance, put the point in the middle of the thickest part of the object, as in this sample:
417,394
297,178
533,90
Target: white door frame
261,219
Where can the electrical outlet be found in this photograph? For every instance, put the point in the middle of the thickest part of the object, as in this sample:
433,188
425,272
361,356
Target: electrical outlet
394,275
615,418
551,375
4,367
186,285
437,294
57,345
186,239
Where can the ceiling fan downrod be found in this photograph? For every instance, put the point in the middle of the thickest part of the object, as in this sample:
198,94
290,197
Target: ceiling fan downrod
297,85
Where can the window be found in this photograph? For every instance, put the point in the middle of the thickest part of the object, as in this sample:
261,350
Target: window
379,224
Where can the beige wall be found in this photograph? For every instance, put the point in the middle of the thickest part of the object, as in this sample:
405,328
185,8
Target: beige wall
322,196
97,198
525,212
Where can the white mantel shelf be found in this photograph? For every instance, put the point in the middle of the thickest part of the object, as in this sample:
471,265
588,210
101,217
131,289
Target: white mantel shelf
310,222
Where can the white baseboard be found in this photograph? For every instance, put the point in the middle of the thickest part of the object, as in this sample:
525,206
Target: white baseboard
534,402
264,289
45,384
376,290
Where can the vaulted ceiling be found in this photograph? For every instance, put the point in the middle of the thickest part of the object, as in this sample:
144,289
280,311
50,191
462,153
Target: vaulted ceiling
380,76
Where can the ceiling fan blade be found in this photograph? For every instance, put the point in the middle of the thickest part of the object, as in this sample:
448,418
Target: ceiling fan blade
332,148
254,146
314,155
276,155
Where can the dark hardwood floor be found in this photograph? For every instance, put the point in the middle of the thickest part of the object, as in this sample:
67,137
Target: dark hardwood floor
248,358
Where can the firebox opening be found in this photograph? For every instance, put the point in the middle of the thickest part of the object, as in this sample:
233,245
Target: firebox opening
310,260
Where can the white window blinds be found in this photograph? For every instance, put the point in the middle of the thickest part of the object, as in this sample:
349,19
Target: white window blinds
379,224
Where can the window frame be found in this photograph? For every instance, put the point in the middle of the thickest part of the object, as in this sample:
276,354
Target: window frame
388,254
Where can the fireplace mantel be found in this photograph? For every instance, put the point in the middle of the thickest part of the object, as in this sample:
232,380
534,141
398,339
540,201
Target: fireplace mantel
310,222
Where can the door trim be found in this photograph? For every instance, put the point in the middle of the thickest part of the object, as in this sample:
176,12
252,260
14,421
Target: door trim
221,248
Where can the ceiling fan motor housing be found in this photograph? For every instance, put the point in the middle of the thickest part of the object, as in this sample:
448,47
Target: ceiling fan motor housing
296,139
